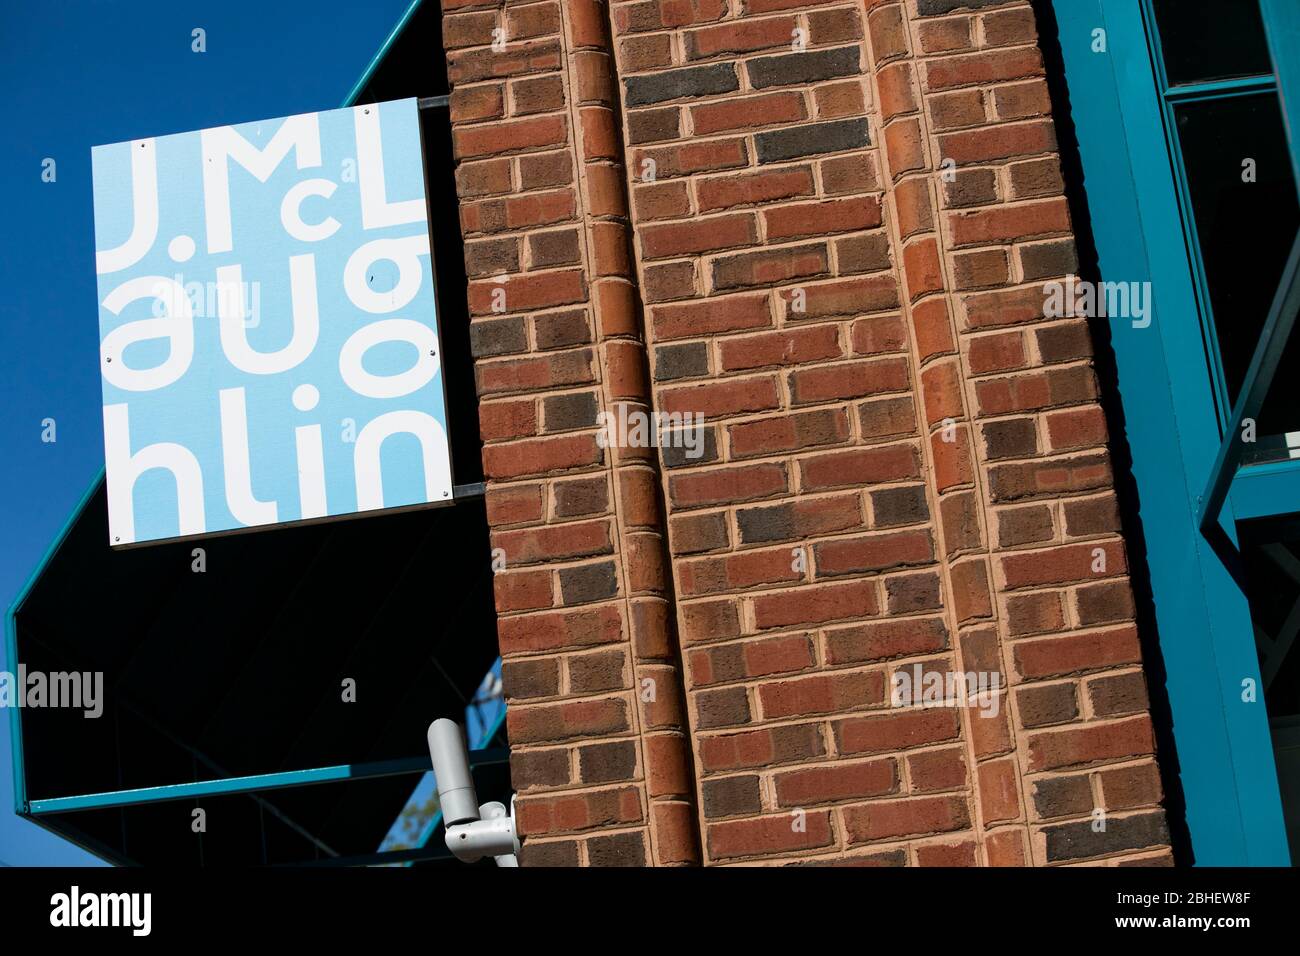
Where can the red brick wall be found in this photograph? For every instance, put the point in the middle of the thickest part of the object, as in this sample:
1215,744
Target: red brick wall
905,463
599,747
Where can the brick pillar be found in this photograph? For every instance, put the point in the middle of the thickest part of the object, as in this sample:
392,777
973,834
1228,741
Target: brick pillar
905,464
843,213
599,754
804,544
950,450
1038,573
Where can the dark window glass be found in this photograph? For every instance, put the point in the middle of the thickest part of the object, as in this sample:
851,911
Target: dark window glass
1245,229
1211,39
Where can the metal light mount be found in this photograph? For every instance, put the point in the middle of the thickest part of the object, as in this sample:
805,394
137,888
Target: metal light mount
473,830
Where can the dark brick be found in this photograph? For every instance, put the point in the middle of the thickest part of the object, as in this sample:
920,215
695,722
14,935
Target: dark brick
765,524
1104,603
885,417
1024,525
913,592
792,743
1034,478
1074,841
489,337
1012,438
1038,177
584,496
472,66
1034,613
1122,694
564,412
972,187
770,267
981,652
554,853
802,519
727,663
674,454
620,849
692,534
1062,796
667,281
898,506
681,361
730,796
1160,859
553,248
776,146
588,582
829,26
803,68
653,126
869,253
559,329
723,708
596,672
961,523
538,94
531,678
607,763
539,768
936,8
1064,342
672,84
1091,516
1127,788
546,169
702,622
1053,704
491,257
1057,258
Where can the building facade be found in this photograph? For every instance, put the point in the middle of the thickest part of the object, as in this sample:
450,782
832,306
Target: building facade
872,438
825,228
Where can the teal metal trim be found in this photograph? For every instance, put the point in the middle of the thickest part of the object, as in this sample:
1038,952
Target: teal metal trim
1217,88
1282,26
1225,756
1267,491
11,642
257,782
378,58
228,785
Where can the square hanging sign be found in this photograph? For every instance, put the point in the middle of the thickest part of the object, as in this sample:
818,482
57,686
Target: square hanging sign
268,325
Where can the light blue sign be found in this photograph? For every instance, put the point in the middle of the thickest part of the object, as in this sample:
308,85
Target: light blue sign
268,329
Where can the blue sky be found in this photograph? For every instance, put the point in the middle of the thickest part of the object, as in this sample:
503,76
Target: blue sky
80,73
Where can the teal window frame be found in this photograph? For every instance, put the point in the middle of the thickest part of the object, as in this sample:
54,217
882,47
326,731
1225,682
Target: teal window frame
1171,403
